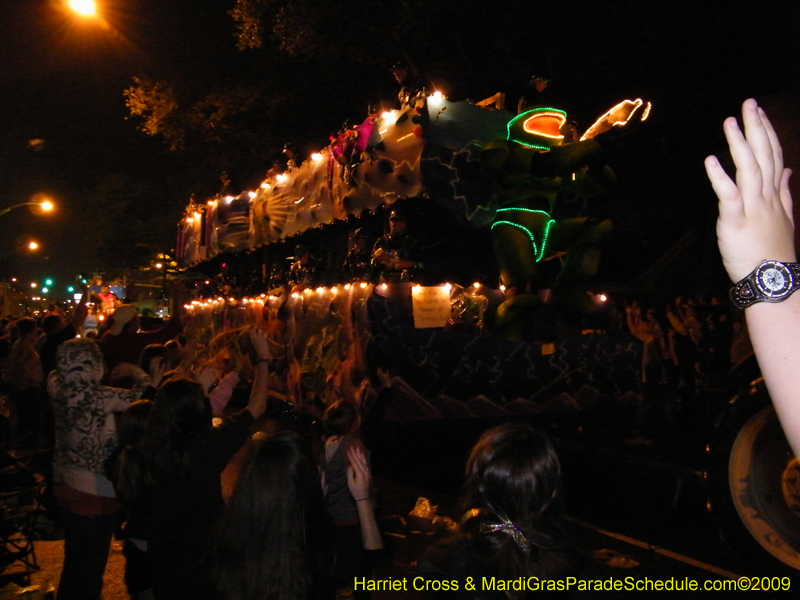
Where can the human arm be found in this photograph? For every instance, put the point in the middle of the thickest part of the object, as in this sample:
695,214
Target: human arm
359,482
119,399
258,394
158,366
755,224
222,393
80,312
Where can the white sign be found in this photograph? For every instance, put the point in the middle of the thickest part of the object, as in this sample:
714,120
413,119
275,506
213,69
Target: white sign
431,305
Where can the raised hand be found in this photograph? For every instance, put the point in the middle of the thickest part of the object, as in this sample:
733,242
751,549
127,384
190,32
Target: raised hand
158,366
359,480
207,376
755,213
260,343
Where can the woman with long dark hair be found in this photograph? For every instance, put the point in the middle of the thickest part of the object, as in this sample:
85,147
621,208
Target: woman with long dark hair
185,456
276,542
511,525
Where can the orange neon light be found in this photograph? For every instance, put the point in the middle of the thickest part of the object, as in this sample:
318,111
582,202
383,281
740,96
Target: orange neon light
620,114
547,124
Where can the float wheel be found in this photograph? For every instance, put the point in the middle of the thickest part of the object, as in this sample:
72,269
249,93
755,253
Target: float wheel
755,481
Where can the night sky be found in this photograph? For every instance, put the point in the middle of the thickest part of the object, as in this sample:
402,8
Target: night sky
62,81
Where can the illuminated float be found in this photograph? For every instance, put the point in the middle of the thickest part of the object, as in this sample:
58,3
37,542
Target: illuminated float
415,353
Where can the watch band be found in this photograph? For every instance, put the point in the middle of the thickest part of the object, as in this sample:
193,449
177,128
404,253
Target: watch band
752,289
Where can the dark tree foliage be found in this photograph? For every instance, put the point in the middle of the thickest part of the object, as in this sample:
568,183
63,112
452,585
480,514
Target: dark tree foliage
128,221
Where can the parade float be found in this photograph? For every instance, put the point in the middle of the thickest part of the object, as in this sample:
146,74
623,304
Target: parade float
504,320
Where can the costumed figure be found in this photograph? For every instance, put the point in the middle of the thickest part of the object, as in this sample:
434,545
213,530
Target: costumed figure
396,254
303,272
412,86
292,160
358,263
533,168
108,300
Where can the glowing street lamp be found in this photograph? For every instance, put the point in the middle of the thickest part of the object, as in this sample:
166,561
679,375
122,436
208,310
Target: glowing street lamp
45,205
33,245
86,8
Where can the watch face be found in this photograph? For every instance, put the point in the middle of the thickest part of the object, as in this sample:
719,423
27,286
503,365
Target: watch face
774,280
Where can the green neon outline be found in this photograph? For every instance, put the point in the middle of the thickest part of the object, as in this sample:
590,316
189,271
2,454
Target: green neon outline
528,112
530,210
521,143
536,251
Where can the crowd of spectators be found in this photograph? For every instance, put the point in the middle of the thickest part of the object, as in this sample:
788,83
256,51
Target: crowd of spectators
140,444
138,451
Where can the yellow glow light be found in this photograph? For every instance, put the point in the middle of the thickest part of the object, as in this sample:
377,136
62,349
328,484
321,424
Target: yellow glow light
101,317
476,285
437,96
334,290
87,8
384,286
159,265
617,115
447,287
502,288
316,157
363,284
33,284
320,290
387,115
46,205
347,286
33,245
282,177
265,186
295,295
228,199
212,202
251,194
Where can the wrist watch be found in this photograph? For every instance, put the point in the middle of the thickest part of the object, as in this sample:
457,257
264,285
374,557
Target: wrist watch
771,281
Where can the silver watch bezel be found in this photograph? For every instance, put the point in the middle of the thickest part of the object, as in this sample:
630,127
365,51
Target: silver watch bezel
752,290
789,284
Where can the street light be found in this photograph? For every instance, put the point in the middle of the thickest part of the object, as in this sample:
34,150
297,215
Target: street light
87,8
46,206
